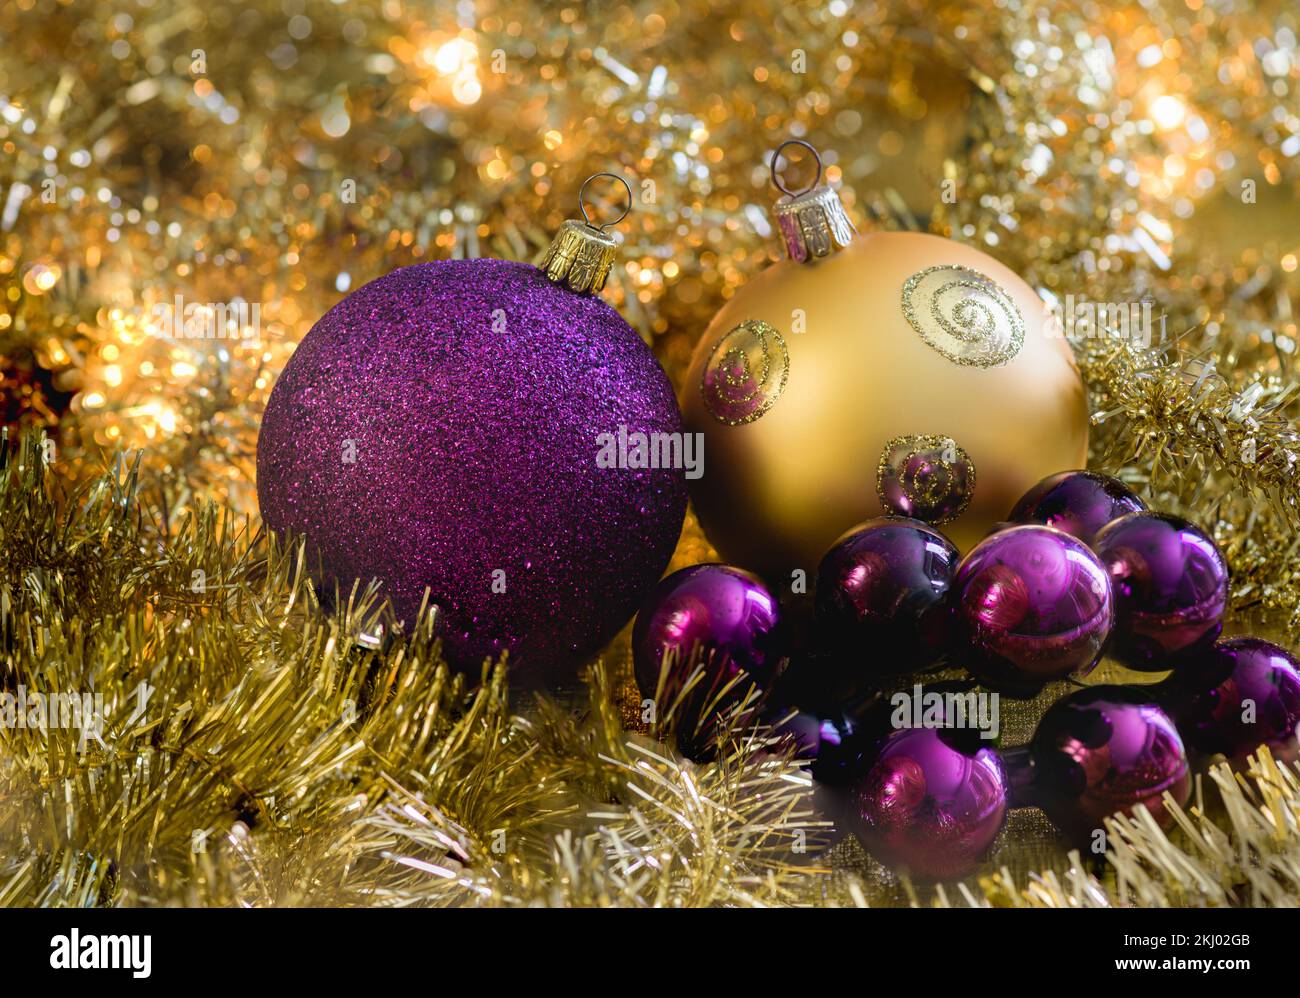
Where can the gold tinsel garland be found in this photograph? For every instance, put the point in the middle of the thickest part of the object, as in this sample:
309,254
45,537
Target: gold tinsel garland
150,151
273,759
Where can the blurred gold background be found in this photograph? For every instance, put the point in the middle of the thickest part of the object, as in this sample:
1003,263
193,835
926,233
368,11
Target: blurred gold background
210,151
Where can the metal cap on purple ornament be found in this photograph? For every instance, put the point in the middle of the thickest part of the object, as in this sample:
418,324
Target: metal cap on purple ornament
582,252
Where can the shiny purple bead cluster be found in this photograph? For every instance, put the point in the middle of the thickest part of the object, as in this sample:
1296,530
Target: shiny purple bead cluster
1080,569
932,800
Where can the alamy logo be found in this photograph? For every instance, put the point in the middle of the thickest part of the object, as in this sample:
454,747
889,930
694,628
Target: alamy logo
102,952
633,450
1081,319
182,320
949,709
45,711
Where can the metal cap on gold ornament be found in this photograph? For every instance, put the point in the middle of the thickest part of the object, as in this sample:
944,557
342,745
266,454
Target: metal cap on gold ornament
582,252
813,222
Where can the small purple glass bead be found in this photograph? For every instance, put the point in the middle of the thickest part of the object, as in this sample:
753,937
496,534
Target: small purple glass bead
720,618
1171,588
1102,750
1078,502
880,593
803,733
1030,604
1237,695
726,612
926,806
820,743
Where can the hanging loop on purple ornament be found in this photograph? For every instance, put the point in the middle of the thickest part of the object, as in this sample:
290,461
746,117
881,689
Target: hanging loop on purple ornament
582,207
776,179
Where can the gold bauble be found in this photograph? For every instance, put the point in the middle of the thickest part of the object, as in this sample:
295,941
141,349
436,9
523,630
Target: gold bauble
905,367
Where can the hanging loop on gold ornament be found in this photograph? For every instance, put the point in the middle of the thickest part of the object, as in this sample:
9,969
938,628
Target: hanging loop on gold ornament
776,179
582,252
582,207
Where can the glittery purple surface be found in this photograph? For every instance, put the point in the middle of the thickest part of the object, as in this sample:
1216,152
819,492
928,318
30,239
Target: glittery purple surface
471,394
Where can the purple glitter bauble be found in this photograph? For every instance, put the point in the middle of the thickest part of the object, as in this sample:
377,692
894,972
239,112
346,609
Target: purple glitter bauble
1235,696
1030,604
1078,502
925,805
880,594
1102,750
724,614
439,428
1171,588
